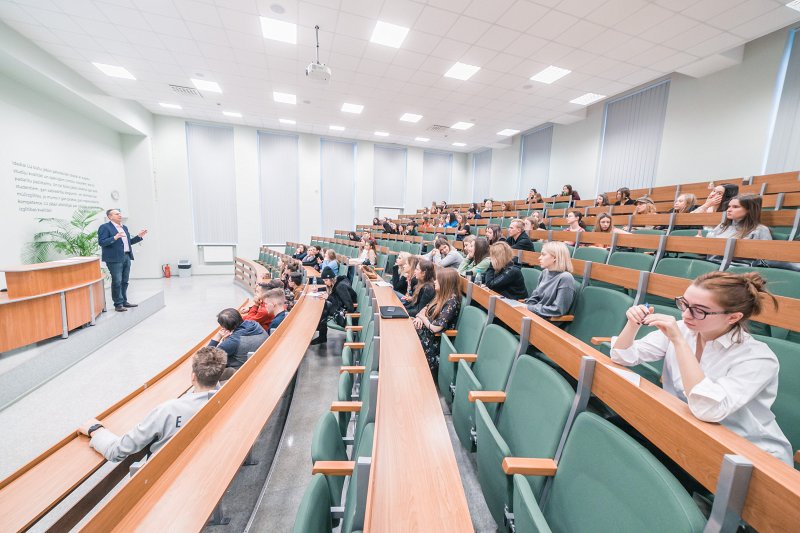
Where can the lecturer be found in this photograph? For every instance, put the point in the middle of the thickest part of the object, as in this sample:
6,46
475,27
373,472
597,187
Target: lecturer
116,243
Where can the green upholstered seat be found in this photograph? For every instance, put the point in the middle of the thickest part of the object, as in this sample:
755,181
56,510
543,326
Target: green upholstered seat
529,424
606,481
632,260
591,253
496,353
782,283
599,313
314,513
680,267
327,445
531,276
785,406
470,326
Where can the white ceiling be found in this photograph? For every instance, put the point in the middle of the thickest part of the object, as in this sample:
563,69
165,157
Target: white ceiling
610,46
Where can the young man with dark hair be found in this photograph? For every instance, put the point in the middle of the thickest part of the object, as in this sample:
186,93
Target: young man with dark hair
229,337
164,421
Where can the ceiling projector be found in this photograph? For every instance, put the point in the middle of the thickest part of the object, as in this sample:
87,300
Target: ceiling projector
315,70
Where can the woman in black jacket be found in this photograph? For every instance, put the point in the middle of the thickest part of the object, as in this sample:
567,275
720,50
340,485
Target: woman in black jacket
503,276
339,302
399,280
424,291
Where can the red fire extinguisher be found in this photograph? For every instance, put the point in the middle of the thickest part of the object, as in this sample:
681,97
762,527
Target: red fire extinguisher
166,270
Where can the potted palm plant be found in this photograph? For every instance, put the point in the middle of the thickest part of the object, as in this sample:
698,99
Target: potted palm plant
69,238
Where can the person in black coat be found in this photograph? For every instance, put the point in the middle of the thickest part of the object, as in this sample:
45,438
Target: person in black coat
313,258
339,302
517,238
503,276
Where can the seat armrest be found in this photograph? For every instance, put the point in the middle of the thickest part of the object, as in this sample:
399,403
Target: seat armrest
487,396
562,318
345,407
352,370
797,456
378,269
451,332
353,328
354,345
354,315
468,357
333,468
599,340
528,466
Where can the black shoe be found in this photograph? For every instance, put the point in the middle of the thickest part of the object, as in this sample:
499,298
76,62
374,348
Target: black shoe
128,304
319,340
120,309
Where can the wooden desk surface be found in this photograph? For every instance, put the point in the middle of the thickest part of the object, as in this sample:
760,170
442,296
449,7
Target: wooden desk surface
50,264
311,272
414,480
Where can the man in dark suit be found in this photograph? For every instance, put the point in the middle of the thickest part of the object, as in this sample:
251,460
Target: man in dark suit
116,243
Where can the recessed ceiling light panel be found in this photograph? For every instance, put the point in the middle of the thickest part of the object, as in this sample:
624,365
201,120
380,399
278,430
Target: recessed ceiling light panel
507,132
410,117
382,133
388,34
459,144
550,74
352,108
279,30
588,98
234,114
336,128
169,106
287,121
114,71
284,98
462,125
422,139
795,4
462,71
208,86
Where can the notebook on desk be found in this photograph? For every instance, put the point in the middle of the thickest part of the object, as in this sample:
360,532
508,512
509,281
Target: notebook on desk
393,311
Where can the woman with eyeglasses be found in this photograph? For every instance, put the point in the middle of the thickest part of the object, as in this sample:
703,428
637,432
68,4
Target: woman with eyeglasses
711,362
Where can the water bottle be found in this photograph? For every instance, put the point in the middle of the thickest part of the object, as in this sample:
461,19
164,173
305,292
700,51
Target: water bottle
314,280
478,279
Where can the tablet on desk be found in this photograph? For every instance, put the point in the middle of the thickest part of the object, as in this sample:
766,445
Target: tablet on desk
393,311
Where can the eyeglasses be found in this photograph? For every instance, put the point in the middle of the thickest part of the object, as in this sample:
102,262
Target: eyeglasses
695,312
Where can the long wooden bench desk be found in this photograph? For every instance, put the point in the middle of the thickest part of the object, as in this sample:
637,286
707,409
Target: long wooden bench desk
178,488
414,482
773,498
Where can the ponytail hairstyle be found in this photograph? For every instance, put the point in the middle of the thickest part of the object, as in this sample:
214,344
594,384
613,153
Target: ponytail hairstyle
737,293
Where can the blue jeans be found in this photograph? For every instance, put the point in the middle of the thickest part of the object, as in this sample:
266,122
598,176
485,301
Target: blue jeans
119,280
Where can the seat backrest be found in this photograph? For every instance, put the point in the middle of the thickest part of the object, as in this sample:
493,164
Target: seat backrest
779,281
599,312
362,449
470,328
327,445
681,267
531,276
496,353
785,406
314,513
591,253
628,490
644,231
635,260
535,411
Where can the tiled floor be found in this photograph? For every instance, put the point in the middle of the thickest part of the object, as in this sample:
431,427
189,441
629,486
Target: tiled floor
45,416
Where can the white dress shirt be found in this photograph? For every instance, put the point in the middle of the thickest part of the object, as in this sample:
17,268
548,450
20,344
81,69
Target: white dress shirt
739,388
126,246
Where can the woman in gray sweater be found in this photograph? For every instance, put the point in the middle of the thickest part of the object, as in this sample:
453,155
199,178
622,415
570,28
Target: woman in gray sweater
554,294
444,255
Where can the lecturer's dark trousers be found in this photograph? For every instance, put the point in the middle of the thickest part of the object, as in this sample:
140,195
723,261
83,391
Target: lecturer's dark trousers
119,280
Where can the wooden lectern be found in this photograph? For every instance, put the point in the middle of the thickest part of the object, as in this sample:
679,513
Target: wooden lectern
49,299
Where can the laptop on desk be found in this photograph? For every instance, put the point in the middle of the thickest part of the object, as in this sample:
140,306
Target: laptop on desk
393,311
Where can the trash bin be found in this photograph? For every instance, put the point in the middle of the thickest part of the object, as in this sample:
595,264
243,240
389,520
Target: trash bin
184,268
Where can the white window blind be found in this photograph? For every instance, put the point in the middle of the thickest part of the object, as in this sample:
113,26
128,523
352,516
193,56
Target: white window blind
389,176
481,175
631,141
535,161
437,168
338,171
278,176
212,176
784,148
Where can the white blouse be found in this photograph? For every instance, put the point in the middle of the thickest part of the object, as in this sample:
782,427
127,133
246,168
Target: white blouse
739,388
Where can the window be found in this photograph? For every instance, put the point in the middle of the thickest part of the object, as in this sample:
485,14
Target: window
212,176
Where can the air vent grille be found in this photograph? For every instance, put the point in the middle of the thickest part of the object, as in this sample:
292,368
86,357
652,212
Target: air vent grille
438,128
186,91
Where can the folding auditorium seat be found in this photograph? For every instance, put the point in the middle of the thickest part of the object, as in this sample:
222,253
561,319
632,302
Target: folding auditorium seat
632,260
591,253
782,283
490,368
597,312
529,423
605,481
531,276
471,322
680,267
785,406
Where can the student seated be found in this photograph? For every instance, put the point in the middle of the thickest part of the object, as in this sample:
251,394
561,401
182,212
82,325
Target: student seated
408,270
718,199
368,255
477,258
275,300
300,252
575,221
503,276
463,227
339,302
684,203
534,197
164,421
624,197
353,237
295,285
601,200
231,333
743,221
494,233
517,237
486,212
451,221
313,258
444,255
439,315
399,280
329,261
566,190
710,360
425,273
258,311
605,224
554,294
411,229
